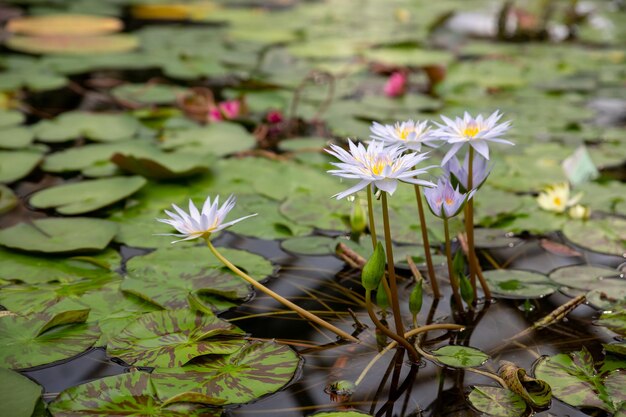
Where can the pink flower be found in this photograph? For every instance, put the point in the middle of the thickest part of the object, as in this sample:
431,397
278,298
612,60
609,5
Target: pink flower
230,109
274,116
215,115
396,84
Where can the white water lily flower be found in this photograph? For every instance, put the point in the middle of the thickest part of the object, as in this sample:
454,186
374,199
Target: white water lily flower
579,212
377,165
475,131
409,135
557,198
202,224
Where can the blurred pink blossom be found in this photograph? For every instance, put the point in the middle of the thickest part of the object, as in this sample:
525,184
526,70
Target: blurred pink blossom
396,84
274,116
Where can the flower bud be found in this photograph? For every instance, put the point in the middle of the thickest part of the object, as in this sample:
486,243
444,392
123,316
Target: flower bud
382,300
416,298
358,220
579,212
374,269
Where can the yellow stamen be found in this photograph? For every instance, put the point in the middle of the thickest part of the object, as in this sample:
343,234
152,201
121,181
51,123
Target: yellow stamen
403,133
557,201
471,130
449,201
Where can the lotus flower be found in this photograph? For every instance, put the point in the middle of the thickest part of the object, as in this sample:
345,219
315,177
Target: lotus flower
445,201
196,224
475,131
408,135
377,165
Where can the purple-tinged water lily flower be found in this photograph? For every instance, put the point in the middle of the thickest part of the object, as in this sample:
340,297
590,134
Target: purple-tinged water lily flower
460,173
475,131
409,135
196,224
377,165
445,201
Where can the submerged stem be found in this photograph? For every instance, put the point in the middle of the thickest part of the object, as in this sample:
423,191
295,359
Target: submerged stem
304,313
391,271
453,283
429,260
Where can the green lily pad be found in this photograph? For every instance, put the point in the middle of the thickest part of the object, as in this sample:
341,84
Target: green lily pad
495,401
15,137
73,45
309,245
580,279
460,356
9,118
218,138
32,269
161,165
173,338
618,348
615,321
128,394
86,196
95,126
575,381
15,165
148,93
409,56
511,283
494,238
182,277
44,338
258,369
57,235
18,394
311,209
8,199
602,235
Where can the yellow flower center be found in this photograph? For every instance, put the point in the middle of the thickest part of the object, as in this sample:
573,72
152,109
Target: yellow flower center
471,130
449,201
403,133
379,163
557,201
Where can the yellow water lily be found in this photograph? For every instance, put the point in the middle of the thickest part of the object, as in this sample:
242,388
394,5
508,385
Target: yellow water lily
557,198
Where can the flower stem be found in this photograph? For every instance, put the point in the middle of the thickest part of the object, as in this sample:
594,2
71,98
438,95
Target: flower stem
429,259
391,271
397,338
370,213
304,313
453,283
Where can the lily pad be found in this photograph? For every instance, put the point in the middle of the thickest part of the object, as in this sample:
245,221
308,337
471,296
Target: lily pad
57,235
495,401
15,137
86,196
257,369
15,165
162,165
575,381
9,118
32,269
128,394
218,138
44,338
8,200
148,93
95,126
18,394
602,235
173,338
73,45
175,278
602,285
510,283
615,321
460,356
64,24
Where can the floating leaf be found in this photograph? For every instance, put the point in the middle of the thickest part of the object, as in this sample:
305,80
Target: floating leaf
602,285
172,338
59,235
86,196
460,356
128,394
64,24
218,138
494,238
512,283
257,369
575,381
601,235
95,126
175,278
33,269
44,338
73,45
8,200
16,137
615,321
309,245
18,394
498,402
535,392
148,93
15,165
161,165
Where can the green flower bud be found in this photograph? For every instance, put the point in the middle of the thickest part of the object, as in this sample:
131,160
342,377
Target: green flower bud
358,220
416,298
374,269
467,292
381,297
